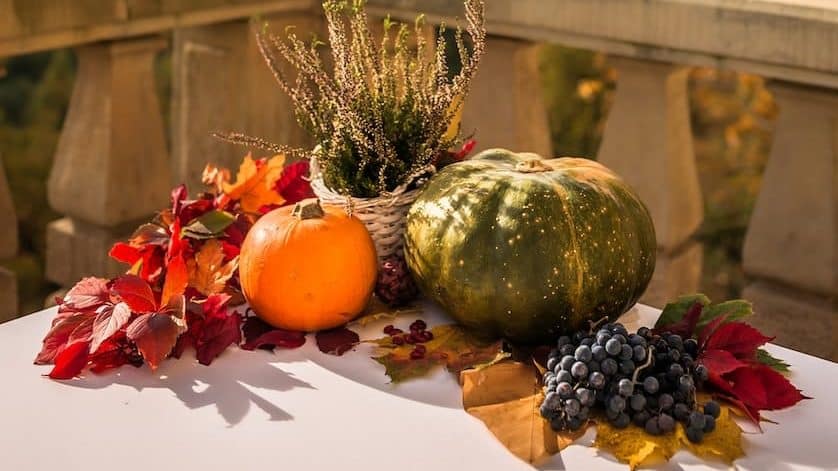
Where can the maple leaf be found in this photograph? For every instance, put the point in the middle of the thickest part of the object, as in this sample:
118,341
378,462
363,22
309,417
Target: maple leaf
254,186
207,272
632,445
506,397
259,334
109,319
451,346
293,184
336,341
215,177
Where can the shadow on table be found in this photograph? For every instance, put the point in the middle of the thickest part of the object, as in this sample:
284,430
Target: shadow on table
227,384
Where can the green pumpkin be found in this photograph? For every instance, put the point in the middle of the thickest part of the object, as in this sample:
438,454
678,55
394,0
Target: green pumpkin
516,246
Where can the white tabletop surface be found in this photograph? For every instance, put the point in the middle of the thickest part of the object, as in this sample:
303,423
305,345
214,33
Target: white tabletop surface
301,409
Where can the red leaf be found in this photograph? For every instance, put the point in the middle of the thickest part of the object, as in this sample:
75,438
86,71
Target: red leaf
230,251
709,329
215,304
216,335
177,277
293,184
468,146
259,334
125,253
336,341
70,361
195,209
720,361
135,292
738,338
109,320
107,359
179,194
89,293
155,335
58,337
763,388
686,326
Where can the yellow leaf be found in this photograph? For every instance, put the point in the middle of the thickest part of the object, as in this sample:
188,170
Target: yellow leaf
254,183
207,272
506,397
451,346
634,446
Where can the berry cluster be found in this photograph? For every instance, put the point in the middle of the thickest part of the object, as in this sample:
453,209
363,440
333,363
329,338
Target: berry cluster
641,377
417,337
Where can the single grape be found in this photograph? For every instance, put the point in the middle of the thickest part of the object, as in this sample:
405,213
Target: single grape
548,375
546,412
558,423
625,387
644,332
637,402
687,361
583,353
675,341
552,384
586,396
622,421
674,355
567,362
713,409
696,420
691,346
681,411
665,401
635,340
617,403
619,337
572,407
563,340
686,384
675,371
613,347
695,435
596,380
666,423
598,352
587,341
701,372
709,423
602,336
652,427
565,376
552,400
639,418
627,367
567,349
565,390
579,370
651,385
639,353
609,366
626,352
552,362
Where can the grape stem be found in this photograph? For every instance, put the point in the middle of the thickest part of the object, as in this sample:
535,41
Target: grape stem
649,353
595,325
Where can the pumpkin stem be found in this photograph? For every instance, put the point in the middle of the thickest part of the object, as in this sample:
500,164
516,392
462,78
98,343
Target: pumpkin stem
532,166
308,209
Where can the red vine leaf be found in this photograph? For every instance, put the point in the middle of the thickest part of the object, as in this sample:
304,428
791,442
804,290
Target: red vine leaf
217,334
70,361
58,336
336,341
720,361
763,388
177,277
155,335
89,293
686,326
738,338
293,184
108,321
260,334
135,292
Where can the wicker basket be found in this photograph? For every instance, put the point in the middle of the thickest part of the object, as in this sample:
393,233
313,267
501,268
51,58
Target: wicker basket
383,215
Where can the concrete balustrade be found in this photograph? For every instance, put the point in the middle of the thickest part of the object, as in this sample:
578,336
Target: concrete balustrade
8,248
111,166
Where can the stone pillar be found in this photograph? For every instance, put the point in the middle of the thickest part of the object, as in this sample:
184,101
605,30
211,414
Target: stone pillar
8,249
221,83
791,249
505,106
648,140
111,167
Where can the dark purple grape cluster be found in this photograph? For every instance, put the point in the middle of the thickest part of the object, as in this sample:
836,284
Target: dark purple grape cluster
642,378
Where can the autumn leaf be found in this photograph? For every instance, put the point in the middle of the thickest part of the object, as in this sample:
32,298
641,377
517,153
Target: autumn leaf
259,334
377,311
293,184
108,321
632,445
135,292
738,338
209,225
207,272
156,333
89,293
59,336
506,397
70,361
254,186
769,360
336,341
451,347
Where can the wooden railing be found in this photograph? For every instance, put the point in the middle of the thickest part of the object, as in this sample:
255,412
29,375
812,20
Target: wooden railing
113,135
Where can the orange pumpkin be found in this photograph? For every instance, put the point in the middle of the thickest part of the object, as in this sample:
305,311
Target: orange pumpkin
308,267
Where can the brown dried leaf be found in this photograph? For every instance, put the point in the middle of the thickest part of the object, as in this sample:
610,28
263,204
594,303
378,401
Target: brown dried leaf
451,346
377,310
506,396
207,272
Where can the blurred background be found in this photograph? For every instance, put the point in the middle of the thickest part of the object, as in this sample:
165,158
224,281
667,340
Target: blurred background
723,115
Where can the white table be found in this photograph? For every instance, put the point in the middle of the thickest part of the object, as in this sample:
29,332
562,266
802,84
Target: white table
301,409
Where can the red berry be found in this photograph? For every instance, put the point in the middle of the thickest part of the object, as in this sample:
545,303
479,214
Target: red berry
418,324
420,348
427,335
398,340
415,337
388,329
410,339
396,331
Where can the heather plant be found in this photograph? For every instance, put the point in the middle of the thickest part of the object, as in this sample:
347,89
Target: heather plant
381,112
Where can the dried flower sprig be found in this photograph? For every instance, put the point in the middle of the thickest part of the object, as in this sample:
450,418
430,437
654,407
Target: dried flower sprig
383,113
